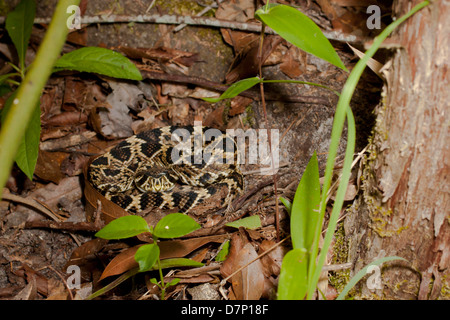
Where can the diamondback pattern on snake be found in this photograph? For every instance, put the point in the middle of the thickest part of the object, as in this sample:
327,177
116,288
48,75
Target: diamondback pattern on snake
169,167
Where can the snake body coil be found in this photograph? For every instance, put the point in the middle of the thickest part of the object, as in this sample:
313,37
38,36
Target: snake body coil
169,167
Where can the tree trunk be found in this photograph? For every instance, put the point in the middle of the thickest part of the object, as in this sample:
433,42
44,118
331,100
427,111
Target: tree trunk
405,207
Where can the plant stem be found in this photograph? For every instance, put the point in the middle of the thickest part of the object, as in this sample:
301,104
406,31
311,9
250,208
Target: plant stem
163,286
342,110
29,91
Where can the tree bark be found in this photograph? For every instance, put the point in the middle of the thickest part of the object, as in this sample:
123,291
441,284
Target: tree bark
404,210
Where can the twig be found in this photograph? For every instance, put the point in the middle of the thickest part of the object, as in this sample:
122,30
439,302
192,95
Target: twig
269,135
67,226
205,10
201,82
31,203
194,21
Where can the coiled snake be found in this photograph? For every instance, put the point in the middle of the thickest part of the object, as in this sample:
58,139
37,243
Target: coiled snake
169,167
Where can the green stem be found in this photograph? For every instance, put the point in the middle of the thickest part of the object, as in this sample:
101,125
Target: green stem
339,119
29,91
161,276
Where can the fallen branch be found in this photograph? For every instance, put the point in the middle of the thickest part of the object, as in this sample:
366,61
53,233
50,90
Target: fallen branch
194,21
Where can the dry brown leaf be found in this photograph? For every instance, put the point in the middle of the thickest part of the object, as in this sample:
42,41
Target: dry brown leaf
237,10
121,263
86,251
294,62
238,105
67,118
181,248
110,210
247,284
247,63
48,166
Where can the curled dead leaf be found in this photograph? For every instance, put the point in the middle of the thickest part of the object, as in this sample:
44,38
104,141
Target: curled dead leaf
109,210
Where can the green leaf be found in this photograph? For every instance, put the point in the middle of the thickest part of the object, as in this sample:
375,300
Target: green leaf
361,273
293,280
299,30
222,254
173,282
146,256
235,89
27,153
287,204
123,227
305,207
179,262
99,60
19,24
252,222
5,77
175,225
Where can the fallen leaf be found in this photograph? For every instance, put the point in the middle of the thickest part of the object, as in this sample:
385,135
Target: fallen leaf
66,119
121,263
237,10
48,166
110,210
247,284
238,105
294,62
179,114
247,62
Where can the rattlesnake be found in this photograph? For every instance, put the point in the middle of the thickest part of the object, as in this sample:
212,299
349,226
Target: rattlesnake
169,167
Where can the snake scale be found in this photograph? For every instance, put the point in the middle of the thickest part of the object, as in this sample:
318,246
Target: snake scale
169,167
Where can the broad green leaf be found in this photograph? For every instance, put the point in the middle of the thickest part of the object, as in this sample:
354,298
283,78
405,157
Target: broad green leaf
99,60
252,222
123,227
146,256
293,279
175,225
361,273
299,30
27,153
19,24
305,207
235,89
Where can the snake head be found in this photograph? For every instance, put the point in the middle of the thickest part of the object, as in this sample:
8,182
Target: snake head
154,180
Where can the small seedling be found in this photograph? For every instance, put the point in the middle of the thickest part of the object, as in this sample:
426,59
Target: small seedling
148,256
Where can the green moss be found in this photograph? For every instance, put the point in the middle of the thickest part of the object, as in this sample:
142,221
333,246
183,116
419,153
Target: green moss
338,279
180,7
4,8
380,216
445,289
249,116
